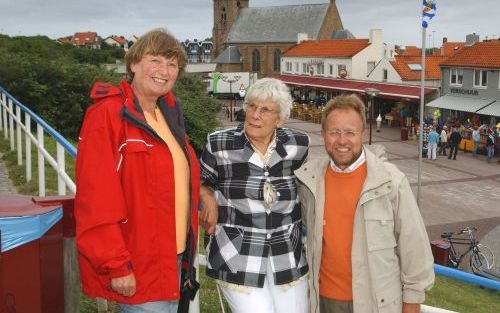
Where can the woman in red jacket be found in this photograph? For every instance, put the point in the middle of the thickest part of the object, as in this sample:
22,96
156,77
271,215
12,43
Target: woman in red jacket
137,183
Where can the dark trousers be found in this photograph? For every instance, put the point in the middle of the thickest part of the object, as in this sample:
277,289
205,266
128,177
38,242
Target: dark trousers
442,148
453,150
333,306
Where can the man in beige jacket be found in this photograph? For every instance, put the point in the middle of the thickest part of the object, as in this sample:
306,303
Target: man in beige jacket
367,246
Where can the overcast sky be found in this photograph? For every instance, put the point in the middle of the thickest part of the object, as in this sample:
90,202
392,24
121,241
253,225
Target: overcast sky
399,20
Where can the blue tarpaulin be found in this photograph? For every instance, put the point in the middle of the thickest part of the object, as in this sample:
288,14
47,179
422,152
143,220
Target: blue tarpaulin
19,230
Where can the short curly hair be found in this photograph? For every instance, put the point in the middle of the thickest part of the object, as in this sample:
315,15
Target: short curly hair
155,42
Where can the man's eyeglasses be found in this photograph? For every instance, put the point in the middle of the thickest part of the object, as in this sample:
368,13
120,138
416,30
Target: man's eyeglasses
262,110
336,133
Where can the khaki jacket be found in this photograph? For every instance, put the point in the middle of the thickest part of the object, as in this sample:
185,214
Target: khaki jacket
391,256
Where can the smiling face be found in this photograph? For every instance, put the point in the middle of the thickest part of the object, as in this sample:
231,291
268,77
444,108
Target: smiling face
343,133
262,118
154,76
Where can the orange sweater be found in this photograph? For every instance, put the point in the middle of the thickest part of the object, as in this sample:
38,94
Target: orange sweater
342,192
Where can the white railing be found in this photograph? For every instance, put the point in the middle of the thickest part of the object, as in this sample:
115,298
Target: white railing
15,115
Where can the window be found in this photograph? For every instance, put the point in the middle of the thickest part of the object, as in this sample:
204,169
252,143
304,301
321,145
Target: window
296,67
369,67
331,69
289,67
320,69
456,76
480,78
305,68
415,66
385,75
341,68
277,60
255,61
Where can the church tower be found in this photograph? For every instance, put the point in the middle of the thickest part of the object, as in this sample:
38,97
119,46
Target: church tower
225,13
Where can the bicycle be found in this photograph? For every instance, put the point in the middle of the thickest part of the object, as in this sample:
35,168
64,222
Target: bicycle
481,257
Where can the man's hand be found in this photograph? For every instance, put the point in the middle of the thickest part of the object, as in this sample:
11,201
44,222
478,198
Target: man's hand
209,210
124,285
411,307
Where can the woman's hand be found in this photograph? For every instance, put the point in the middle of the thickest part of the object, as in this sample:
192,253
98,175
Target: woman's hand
209,210
125,285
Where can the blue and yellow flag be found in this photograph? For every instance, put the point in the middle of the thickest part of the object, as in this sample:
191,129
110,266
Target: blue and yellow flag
428,12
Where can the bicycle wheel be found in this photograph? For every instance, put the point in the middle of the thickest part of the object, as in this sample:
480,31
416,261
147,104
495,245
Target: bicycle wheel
488,254
478,262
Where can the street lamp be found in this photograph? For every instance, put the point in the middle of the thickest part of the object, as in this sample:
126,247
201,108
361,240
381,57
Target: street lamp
372,93
231,80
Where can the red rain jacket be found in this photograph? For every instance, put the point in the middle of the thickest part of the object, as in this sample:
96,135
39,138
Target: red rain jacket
124,205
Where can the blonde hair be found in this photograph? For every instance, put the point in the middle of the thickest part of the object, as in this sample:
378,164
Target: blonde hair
344,102
155,42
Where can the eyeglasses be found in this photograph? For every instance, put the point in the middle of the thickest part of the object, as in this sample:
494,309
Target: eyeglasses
263,111
336,133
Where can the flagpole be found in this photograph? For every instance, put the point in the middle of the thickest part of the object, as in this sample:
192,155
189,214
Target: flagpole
421,126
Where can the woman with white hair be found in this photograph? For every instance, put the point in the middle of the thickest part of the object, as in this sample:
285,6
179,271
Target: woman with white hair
250,206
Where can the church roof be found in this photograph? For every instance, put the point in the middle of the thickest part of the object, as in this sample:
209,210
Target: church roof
229,56
342,34
277,24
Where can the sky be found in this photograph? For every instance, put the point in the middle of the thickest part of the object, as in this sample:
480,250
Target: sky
189,19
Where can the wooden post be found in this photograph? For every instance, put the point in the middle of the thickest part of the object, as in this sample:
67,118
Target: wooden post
71,277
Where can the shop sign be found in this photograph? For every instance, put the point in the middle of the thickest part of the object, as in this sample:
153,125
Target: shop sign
464,91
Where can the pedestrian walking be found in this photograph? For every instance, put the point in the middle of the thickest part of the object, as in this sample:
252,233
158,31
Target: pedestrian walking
444,141
475,140
455,139
490,145
432,143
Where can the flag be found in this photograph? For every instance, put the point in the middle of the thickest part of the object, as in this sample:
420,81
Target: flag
428,12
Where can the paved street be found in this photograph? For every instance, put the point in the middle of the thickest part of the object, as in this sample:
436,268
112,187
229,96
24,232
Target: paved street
454,193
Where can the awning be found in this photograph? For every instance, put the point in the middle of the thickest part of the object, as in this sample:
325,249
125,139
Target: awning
492,109
463,104
388,90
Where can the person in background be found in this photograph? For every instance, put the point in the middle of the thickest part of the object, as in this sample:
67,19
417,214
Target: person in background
366,241
475,139
490,145
250,206
137,179
443,138
455,139
432,143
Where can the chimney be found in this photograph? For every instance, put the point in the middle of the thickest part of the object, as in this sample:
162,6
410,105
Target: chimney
301,37
376,36
445,40
471,39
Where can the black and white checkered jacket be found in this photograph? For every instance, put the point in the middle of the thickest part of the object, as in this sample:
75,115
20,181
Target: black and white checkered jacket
250,233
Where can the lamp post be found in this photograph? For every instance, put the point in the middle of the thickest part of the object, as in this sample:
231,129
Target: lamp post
231,80
372,93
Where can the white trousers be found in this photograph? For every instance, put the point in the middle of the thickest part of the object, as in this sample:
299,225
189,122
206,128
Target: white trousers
431,150
288,298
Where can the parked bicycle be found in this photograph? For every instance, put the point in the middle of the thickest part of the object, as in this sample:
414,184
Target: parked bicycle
481,257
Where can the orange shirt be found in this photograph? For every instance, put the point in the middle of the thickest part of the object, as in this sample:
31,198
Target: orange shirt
181,176
342,192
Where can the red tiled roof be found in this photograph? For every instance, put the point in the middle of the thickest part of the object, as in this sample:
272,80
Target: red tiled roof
327,48
432,69
386,90
119,39
449,48
80,39
481,54
409,50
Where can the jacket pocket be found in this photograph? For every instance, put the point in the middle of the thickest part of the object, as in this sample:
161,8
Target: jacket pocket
390,300
379,223
224,250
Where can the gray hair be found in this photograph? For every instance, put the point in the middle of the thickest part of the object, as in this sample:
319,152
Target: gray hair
271,89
